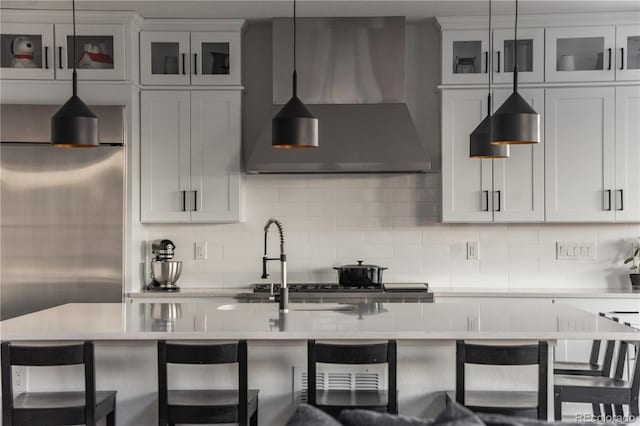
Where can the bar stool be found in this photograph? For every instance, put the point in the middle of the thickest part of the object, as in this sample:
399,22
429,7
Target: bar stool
333,401
610,390
516,403
205,406
54,408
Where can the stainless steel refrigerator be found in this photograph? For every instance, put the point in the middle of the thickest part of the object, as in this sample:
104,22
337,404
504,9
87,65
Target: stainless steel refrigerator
61,213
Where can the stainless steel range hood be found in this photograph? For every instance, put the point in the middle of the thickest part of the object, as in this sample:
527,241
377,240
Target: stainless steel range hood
351,74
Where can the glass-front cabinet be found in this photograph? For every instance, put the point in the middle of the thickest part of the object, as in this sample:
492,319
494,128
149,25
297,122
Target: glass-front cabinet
183,58
465,56
530,55
628,57
580,53
99,51
26,51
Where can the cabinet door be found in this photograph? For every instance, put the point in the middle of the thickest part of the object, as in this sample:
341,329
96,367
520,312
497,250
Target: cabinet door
466,182
579,154
164,156
627,197
628,58
580,53
216,178
518,181
100,52
530,55
216,58
464,56
164,57
26,51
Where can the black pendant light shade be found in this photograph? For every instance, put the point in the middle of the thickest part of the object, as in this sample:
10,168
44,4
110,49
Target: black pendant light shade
74,125
480,145
515,122
294,126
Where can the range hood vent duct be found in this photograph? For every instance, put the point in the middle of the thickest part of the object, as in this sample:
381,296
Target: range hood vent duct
351,75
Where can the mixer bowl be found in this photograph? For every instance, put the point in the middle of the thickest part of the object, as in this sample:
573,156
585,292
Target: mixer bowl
166,272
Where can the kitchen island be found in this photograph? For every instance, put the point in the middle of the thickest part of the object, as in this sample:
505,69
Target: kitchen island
126,334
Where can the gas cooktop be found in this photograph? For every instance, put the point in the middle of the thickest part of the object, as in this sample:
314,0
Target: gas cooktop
336,288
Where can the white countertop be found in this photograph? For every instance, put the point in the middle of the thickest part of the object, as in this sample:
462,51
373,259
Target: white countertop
544,292
522,320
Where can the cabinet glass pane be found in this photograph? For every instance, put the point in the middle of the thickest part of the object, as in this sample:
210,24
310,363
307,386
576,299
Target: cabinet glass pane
580,54
164,57
467,57
21,51
525,55
215,58
633,52
92,52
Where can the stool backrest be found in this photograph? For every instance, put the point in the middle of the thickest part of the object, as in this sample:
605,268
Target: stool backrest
178,353
504,355
45,356
377,353
608,354
594,357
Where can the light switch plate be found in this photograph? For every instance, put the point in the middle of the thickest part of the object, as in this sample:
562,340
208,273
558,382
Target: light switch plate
200,250
473,252
571,250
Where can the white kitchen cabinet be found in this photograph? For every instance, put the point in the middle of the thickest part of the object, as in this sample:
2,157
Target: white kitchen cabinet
580,53
580,154
484,190
466,182
100,51
465,55
530,55
518,181
628,58
627,151
26,51
184,58
190,157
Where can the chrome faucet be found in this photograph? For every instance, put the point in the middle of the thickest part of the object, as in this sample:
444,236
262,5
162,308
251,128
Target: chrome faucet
284,290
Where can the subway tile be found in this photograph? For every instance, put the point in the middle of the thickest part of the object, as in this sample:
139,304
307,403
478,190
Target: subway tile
408,251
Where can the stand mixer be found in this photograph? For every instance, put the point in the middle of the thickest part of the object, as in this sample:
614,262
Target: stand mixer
164,270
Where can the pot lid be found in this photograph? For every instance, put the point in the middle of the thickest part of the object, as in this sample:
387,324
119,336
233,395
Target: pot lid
360,266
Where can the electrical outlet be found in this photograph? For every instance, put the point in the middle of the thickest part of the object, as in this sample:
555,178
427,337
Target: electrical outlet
567,250
201,251
19,379
473,252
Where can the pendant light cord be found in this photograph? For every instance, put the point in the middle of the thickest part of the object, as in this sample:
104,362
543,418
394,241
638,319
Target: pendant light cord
295,33
73,56
491,62
515,52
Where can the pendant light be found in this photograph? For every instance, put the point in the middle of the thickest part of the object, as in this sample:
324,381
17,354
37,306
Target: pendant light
294,126
515,122
74,125
480,145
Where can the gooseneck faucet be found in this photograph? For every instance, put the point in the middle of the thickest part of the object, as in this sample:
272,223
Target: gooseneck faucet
284,290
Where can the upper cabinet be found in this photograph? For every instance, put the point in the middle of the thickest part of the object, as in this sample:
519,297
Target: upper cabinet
26,51
184,58
628,57
465,56
580,53
530,55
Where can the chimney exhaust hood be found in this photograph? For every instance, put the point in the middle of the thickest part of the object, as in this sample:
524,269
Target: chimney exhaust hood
351,75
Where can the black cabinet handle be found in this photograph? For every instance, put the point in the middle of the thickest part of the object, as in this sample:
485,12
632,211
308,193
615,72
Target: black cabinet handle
498,70
622,58
486,62
60,57
499,201
184,201
183,65
195,201
46,57
621,199
195,64
609,50
608,191
486,200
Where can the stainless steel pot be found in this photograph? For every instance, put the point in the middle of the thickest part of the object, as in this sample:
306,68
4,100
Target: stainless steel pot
360,275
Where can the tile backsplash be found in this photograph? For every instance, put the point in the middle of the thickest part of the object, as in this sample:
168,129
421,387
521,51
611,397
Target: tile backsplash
393,221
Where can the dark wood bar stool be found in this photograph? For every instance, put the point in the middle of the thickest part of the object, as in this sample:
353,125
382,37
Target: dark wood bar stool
516,403
54,408
612,391
334,401
205,406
